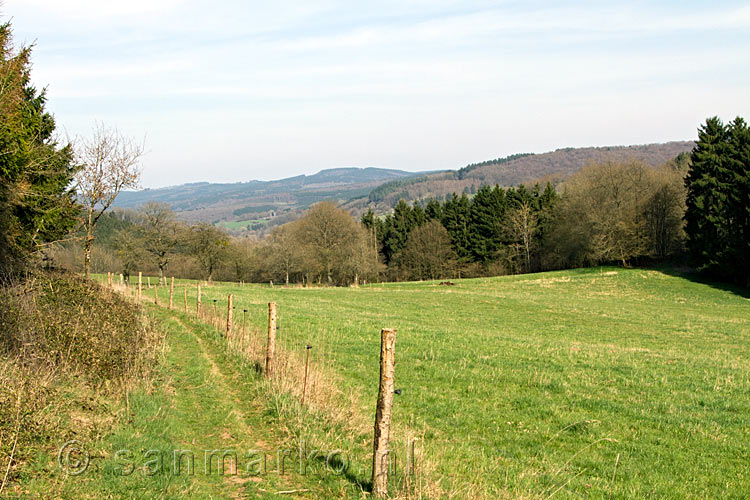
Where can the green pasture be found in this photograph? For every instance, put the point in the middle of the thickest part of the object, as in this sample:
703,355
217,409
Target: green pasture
591,383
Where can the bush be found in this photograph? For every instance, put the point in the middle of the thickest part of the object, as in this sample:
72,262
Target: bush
62,321
67,346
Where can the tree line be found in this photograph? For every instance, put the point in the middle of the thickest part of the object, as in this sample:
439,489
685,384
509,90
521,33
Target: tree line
609,212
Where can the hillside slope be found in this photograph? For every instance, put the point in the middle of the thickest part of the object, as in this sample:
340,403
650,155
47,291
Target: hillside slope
261,200
514,170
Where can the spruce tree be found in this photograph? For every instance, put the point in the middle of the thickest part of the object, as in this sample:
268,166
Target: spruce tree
717,200
36,201
486,220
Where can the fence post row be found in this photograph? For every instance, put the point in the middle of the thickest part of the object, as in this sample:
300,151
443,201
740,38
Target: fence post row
381,453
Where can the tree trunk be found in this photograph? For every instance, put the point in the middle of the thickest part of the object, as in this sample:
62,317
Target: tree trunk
87,253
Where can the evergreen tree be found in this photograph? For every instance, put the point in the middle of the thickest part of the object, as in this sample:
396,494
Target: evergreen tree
456,215
709,184
396,230
418,216
737,256
433,209
485,222
36,202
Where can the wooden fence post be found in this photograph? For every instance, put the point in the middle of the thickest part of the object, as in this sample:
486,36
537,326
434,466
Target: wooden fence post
140,285
271,347
198,302
381,453
185,290
148,281
171,292
229,317
156,295
304,384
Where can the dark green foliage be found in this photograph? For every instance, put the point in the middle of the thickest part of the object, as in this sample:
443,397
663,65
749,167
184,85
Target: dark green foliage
718,200
476,226
498,161
485,221
433,209
456,219
36,201
396,230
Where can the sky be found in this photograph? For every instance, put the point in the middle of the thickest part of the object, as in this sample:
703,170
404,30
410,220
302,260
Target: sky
230,90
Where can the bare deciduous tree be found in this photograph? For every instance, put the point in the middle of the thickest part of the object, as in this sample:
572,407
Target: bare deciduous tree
428,253
522,226
210,246
330,234
282,250
108,162
159,234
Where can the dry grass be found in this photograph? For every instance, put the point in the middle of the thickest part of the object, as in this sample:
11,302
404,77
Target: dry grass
69,348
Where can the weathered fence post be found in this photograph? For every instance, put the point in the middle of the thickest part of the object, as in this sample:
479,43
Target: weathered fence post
140,285
198,302
229,317
171,292
156,295
244,314
304,384
148,281
271,347
381,452
185,293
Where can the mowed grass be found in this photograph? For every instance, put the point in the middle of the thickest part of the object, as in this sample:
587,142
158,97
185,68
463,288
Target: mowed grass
592,383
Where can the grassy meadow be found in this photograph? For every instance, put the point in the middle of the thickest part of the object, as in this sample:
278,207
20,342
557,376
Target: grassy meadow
590,383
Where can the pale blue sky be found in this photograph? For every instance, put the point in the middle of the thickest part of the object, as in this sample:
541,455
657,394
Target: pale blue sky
234,90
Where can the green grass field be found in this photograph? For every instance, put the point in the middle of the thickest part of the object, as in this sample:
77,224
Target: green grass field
593,383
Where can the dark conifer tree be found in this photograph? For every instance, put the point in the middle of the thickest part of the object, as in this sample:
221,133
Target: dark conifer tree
718,199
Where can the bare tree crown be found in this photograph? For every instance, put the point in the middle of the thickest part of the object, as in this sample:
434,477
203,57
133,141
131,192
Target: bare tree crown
109,162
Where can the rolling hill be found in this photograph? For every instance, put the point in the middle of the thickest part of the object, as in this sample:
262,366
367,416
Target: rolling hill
255,203
513,170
